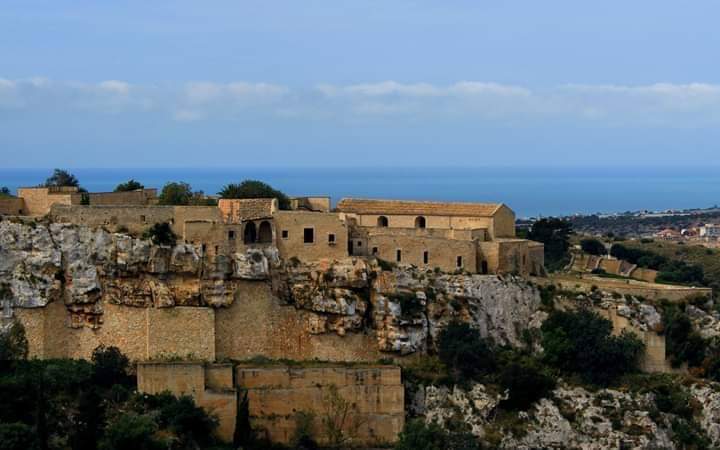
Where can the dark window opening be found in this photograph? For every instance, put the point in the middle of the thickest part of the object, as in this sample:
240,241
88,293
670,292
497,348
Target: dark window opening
265,232
398,255
331,238
231,235
250,234
285,234
484,266
459,261
359,244
217,249
204,247
420,222
382,221
142,218
425,257
308,235
374,250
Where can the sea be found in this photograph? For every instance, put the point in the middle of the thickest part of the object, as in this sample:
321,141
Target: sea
529,191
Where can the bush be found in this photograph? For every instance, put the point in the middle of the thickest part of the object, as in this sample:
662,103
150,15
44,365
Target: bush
5,192
593,247
555,235
17,436
683,343
417,435
13,344
464,352
180,193
61,178
130,185
130,431
160,234
110,366
255,189
526,380
581,342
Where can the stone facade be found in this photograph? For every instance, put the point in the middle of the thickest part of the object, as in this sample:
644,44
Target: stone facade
374,394
11,206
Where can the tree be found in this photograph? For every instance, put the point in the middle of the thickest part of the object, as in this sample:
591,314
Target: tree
13,344
176,193
110,366
555,235
61,178
593,247
526,381
5,192
130,185
160,234
255,189
581,342
465,353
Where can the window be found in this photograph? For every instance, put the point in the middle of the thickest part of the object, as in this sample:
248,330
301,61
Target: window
398,255
142,218
425,257
419,222
374,250
359,243
217,249
285,234
231,235
459,261
204,247
250,233
308,235
331,238
265,234
382,221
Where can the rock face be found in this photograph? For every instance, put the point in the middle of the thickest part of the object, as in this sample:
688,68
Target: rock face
80,266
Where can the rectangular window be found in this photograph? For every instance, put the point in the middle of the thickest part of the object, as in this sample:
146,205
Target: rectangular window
231,235
308,235
204,247
398,255
359,244
459,261
375,251
425,257
331,238
142,218
285,234
217,249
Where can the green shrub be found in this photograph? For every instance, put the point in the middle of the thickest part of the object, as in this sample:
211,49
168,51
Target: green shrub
110,366
160,234
683,344
17,436
130,185
131,431
593,246
464,352
526,380
255,189
13,344
581,342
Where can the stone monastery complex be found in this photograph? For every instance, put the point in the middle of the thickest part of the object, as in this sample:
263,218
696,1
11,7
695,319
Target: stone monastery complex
366,281
453,237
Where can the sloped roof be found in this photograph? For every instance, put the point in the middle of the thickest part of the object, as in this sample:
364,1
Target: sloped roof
407,207
235,210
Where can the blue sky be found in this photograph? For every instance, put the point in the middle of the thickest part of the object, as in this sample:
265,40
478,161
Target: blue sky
358,83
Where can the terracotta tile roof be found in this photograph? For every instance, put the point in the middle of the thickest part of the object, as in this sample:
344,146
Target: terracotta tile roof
406,207
236,210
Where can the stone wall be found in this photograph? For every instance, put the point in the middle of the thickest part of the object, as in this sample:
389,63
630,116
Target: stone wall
277,394
12,206
138,197
135,219
257,324
441,252
323,224
39,200
210,386
650,291
140,333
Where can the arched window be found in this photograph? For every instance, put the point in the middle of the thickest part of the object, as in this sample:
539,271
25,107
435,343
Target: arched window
419,222
382,221
265,232
250,234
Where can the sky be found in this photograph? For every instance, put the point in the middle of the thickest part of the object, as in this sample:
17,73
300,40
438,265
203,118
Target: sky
359,83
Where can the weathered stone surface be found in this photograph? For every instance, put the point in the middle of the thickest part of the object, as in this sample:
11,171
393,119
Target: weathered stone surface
708,397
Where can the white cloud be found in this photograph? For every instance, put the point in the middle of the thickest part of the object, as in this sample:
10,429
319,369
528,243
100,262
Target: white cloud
660,103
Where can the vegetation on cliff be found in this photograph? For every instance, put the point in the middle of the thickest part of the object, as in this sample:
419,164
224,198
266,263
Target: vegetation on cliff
555,235
90,405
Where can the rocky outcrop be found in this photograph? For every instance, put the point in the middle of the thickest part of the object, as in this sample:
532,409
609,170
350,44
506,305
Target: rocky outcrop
81,266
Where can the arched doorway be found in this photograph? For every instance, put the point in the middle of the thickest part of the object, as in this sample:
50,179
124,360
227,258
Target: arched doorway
265,232
250,233
382,221
419,222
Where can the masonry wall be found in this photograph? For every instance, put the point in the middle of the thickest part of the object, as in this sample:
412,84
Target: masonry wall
11,206
258,324
649,291
276,394
140,333
442,253
38,201
136,219
138,197
323,224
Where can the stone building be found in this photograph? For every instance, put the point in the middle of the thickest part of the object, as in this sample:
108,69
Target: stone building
469,237
37,201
